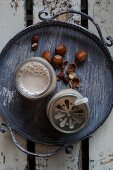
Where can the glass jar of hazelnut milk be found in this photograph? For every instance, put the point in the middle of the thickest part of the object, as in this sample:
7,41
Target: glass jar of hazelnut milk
35,78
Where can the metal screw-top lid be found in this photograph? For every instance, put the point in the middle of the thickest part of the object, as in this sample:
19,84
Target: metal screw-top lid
68,111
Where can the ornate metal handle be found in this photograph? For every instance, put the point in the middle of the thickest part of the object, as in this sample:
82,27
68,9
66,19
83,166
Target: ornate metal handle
3,127
50,18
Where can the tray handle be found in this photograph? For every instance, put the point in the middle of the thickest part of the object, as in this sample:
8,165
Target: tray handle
3,128
50,18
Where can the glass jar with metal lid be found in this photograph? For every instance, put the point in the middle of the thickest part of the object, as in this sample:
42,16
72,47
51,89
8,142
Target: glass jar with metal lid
68,111
35,78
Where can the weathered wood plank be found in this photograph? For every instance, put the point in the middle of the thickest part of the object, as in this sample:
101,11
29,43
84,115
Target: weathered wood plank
10,157
61,161
12,19
101,142
56,6
12,15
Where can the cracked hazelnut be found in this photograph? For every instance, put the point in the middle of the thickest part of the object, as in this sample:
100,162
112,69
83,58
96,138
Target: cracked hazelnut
34,46
57,60
60,76
64,64
66,80
47,56
60,50
75,82
71,68
81,55
35,38
72,75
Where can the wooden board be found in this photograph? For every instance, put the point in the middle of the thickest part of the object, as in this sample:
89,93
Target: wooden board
101,142
12,16
57,6
61,161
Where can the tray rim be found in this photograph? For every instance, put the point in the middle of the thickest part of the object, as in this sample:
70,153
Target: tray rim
57,23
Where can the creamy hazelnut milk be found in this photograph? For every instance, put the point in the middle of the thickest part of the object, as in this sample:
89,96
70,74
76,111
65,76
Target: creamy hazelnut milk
33,78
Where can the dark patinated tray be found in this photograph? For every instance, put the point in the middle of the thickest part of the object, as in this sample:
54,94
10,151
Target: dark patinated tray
96,75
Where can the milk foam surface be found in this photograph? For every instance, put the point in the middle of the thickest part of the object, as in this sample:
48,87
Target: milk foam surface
33,78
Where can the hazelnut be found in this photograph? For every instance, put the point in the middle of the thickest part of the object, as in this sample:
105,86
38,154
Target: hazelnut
60,50
66,80
64,64
34,46
47,56
72,75
57,60
71,68
75,82
60,76
35,38
81,55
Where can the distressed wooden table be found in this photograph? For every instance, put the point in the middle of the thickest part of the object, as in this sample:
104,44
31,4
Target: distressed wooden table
95,153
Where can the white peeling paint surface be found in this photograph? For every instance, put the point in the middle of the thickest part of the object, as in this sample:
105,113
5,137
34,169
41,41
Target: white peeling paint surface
8,95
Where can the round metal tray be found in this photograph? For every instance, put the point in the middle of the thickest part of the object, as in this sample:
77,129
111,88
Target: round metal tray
96,74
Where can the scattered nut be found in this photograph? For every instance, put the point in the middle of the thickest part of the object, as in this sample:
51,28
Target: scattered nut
75,82
60,76
72,75
47,56
64,64
71,68
35,38
57,77
66,80
60,50
34,46
57,60
81,55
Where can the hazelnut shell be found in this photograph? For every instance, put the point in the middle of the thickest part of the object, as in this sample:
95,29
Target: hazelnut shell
75,82
71,68
64,64
60,76
66,80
